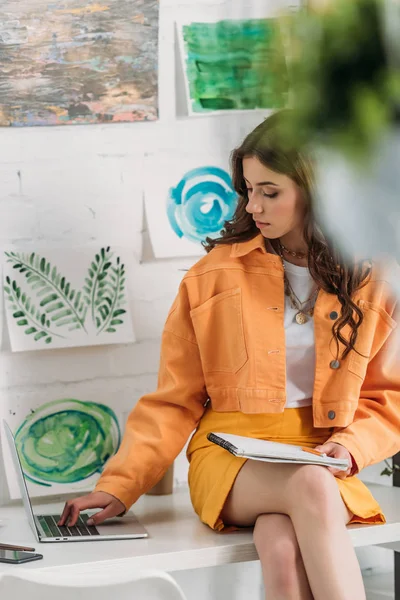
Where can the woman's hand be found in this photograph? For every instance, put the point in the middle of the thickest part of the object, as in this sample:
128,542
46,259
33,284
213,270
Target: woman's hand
112,507
336,451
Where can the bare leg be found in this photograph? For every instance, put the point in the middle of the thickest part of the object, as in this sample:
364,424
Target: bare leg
310,496
282,565
328,554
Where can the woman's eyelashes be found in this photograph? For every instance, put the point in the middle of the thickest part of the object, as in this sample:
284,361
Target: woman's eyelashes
273,195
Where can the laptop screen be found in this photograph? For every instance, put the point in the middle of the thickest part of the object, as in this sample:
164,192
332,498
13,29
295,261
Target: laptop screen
20,477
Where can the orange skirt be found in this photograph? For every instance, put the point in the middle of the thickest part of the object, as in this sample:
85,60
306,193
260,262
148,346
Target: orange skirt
213,470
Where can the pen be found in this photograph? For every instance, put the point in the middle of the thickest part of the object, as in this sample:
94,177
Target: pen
11,547
316,452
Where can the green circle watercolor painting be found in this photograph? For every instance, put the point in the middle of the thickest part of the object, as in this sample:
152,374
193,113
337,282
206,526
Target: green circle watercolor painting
67,441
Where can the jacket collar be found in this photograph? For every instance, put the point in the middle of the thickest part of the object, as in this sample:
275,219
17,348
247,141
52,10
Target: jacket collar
259,242
244,248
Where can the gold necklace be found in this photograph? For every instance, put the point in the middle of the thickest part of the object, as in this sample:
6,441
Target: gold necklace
303,314
292,252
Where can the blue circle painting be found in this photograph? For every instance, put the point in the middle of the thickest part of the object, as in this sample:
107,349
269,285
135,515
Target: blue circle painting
201,203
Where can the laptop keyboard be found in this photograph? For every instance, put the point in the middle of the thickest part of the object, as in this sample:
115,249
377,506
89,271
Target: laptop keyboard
50,527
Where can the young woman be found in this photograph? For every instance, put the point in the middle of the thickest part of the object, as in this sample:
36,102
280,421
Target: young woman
272,335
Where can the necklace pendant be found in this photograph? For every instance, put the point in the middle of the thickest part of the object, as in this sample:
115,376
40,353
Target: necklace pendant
301,318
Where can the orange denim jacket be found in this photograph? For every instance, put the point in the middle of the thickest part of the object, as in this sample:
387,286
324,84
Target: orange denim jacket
224,342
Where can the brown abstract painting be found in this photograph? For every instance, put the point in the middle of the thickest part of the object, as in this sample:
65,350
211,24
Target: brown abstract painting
66,62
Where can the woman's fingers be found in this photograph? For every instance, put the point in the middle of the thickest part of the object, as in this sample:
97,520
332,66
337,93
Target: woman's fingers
107,513
336,451
338,473
73,507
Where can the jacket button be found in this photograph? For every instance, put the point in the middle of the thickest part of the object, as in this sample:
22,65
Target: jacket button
333,315
334,364
331,415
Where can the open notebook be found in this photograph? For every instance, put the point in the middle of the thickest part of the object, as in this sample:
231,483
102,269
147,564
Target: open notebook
274,451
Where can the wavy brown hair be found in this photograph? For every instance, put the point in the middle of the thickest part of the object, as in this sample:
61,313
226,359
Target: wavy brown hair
328,267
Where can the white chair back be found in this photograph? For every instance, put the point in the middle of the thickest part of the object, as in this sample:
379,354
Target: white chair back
42,585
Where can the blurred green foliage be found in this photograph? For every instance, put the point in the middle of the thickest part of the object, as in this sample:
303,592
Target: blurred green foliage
345,91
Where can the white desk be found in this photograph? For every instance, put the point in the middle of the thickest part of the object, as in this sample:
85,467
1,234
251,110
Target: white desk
178,540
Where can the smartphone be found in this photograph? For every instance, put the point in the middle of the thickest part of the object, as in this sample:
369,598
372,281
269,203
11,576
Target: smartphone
17,557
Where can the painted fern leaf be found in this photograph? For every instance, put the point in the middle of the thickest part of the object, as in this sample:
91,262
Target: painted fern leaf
110,299
63,305
96,280
27,315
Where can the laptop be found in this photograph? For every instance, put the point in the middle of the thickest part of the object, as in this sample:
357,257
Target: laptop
46,529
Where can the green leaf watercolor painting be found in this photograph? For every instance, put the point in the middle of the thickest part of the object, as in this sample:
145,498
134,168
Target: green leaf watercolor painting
63,446
233,64
59,299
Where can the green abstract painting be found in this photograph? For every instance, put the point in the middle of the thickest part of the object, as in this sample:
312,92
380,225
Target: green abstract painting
66,442
234,65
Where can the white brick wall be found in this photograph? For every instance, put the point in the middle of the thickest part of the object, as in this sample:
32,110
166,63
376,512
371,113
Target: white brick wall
83,186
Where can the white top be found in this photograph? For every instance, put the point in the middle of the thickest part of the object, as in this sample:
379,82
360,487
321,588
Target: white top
300,345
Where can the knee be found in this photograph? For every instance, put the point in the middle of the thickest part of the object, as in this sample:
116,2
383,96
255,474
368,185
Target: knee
278,550
315,492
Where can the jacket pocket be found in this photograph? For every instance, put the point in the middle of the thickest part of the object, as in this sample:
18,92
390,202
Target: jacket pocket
373,333
218,325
